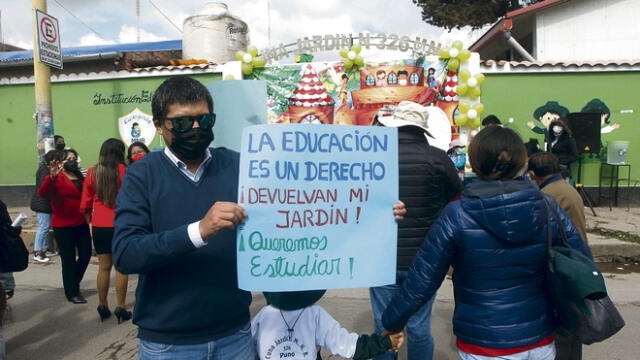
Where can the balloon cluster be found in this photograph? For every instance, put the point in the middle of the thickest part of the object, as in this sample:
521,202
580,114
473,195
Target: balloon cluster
469,85
469,114
250,60
455,54
352,57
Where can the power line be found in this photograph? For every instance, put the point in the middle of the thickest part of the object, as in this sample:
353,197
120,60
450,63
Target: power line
165,16
82,22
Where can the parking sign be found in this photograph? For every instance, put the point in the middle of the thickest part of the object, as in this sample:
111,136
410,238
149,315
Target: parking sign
48,40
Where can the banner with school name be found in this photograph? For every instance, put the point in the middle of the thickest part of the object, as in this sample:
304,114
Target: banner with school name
320,202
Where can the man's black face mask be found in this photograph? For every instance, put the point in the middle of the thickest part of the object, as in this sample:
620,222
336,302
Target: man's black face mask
191,144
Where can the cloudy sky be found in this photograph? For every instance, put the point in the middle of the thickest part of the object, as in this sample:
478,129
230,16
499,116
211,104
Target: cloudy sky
114,21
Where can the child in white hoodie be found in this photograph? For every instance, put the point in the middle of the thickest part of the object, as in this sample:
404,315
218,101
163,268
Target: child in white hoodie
291,326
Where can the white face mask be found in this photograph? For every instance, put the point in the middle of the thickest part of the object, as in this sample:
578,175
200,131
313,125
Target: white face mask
402,82
557,129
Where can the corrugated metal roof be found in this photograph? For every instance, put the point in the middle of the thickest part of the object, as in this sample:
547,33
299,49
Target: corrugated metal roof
17,56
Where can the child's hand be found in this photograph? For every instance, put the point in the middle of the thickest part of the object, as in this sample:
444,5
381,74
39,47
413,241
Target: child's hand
397,340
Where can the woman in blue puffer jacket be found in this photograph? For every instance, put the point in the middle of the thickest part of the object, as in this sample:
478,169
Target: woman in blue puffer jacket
496,241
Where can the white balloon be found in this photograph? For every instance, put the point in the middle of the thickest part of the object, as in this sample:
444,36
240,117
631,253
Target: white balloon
472,114
247,58
351,55
472,82
453,52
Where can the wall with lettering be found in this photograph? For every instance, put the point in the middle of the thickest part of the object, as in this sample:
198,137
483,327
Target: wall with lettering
320,203
85,112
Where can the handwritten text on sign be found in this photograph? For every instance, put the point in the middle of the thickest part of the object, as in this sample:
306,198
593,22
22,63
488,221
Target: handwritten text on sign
320,203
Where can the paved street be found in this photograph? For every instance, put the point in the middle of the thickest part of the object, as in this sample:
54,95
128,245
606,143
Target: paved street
46,326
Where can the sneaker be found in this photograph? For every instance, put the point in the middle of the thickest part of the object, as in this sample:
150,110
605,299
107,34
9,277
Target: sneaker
50,253
40,257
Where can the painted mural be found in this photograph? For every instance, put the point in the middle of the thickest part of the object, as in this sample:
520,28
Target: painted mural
329,93
323,92
553,110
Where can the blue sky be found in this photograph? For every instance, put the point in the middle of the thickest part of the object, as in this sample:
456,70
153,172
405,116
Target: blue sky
115,20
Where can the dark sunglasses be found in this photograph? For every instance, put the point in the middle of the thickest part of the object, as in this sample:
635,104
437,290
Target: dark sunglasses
184,123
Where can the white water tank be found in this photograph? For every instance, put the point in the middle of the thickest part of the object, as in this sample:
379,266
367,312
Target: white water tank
214,34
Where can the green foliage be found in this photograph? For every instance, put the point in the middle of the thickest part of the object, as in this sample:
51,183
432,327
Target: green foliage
451,14
281,83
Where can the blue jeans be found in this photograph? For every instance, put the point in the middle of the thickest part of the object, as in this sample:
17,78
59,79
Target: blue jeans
238,346
419,339
42,233
547,352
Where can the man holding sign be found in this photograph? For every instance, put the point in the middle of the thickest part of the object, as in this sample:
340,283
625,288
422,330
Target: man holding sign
175,226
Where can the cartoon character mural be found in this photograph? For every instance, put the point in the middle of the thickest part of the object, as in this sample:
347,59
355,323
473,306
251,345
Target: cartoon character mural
136,132
598,106
545,114
431,80
331,93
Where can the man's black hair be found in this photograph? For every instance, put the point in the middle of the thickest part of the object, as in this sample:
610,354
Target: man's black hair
403,72
178,90
56,137
543,164
491,120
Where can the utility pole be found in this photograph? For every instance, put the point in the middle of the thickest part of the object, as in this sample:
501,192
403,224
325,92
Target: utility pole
138,20
42,76
269,23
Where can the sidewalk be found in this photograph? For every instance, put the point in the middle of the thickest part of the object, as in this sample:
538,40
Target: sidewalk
618,219
603,248
44,325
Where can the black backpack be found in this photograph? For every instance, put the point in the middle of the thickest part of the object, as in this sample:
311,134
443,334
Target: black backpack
14,255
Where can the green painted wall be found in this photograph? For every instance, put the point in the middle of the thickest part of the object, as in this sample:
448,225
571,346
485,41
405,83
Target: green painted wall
84,125
518,95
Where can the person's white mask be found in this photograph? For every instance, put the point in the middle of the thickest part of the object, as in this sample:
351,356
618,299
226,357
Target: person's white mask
557,129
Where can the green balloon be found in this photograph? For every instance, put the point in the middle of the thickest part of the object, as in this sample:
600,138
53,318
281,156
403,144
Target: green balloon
453,65
348,64
462,89
247,68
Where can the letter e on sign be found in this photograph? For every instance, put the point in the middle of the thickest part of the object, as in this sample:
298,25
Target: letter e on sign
48,40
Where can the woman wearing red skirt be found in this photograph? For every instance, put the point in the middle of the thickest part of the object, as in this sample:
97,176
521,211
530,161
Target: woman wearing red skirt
98,205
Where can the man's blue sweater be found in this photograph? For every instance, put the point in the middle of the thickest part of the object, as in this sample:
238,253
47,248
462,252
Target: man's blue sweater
185,295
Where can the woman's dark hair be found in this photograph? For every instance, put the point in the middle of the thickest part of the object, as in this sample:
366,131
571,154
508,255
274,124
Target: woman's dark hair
561,122
66,152
107,174
543,164
48,157
56,137
134,144
497,153
61,155
178,90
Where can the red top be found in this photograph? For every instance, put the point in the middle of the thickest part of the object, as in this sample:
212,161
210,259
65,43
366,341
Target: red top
101,215
65,200
484,351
